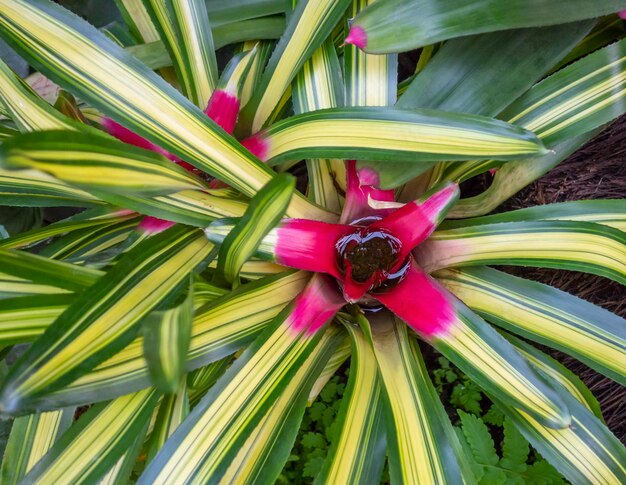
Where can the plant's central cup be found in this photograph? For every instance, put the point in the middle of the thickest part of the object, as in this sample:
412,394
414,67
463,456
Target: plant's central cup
369,260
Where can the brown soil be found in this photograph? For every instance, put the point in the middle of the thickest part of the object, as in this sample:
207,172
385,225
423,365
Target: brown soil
597,171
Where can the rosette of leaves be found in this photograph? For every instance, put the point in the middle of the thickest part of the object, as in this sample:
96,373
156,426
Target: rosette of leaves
168,306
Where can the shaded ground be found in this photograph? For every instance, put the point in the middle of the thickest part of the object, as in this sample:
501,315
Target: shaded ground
597,171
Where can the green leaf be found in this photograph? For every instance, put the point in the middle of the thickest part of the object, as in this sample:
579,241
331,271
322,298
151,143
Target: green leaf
263,213
520,57
477,435
184,27
166,337
515,448
393,26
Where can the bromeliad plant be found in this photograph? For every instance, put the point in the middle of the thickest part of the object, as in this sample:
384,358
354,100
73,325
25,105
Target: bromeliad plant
168,305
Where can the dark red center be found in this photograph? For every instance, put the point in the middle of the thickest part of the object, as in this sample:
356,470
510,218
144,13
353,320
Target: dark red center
368,255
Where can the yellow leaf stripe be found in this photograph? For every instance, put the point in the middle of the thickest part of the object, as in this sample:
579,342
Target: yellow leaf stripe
595,83
341,354
34,189
495,369
316,87
396,136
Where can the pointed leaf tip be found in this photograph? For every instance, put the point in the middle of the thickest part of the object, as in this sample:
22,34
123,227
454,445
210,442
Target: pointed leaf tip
437,205
357,37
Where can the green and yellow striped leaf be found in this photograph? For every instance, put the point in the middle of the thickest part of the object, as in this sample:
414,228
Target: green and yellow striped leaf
557,372
25,318
318,85
98,71
25,108
263,213
205,444
30,188
166,337
96,162
571,245
496,366
421,444
88,219
46,272
96,442
191,207
121,470
30,439
579,98
610,212
263,52
383,22
544,314
173,410
200,380
13,286
263,455
370,80
585,452
96,246
138,20
104,320
184,27
308,26
219,329
388,134
357,452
